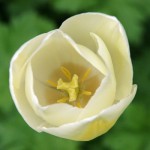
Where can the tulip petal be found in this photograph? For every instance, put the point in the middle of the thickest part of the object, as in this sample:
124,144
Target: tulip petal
105,94
17,82
66,113
113,35
23,56
57,50
94,126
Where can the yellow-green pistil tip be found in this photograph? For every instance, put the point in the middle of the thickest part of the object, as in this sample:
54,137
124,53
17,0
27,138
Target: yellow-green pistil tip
72,87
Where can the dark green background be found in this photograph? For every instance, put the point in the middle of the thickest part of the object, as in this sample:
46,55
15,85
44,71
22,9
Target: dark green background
21,20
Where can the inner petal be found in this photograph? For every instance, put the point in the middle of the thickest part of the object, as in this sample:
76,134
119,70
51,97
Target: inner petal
58,51
105,94
48,94
51,113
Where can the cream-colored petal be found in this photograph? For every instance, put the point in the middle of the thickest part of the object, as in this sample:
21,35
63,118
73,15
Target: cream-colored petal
103,98
92,58
55,114
117,109
21,102
105,94
113,35
22,56
103,53
58,50
24,107
17,82
92,127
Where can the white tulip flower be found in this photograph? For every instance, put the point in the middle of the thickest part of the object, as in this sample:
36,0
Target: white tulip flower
74,82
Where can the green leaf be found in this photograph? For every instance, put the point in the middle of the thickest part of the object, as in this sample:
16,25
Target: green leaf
15,134
5,99
135,117
124,140
46,141
74,6
26,26
142,76
16,7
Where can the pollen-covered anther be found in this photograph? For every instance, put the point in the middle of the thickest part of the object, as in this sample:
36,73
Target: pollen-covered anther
63,100
84,92
53,84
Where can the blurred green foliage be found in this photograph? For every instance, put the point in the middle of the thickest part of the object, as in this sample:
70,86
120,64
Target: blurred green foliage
21,20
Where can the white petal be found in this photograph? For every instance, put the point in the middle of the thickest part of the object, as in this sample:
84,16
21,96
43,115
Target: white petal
103,52
24,108
57,50
55,114
93,59
114,112
17,83
90,128
22,57
113,35
105,94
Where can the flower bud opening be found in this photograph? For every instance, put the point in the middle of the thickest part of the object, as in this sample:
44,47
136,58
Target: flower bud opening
74,88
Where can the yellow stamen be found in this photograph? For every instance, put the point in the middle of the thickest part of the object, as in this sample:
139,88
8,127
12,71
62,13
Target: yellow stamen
84,92
53,84
62,100
78,104
86,74
72,87
66,72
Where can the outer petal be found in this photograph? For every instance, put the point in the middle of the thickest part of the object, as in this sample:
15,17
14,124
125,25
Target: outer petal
92,127
113,35
105,94
22,57
17,83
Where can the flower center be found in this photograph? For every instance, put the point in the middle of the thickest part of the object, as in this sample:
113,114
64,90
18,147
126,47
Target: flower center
73,89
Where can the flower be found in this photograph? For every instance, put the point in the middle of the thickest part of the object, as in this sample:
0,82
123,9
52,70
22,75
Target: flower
74,82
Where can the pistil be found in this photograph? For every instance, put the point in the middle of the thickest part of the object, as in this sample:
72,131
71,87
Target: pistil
72,87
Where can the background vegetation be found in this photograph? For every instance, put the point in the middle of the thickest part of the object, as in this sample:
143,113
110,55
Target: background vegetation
21,20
